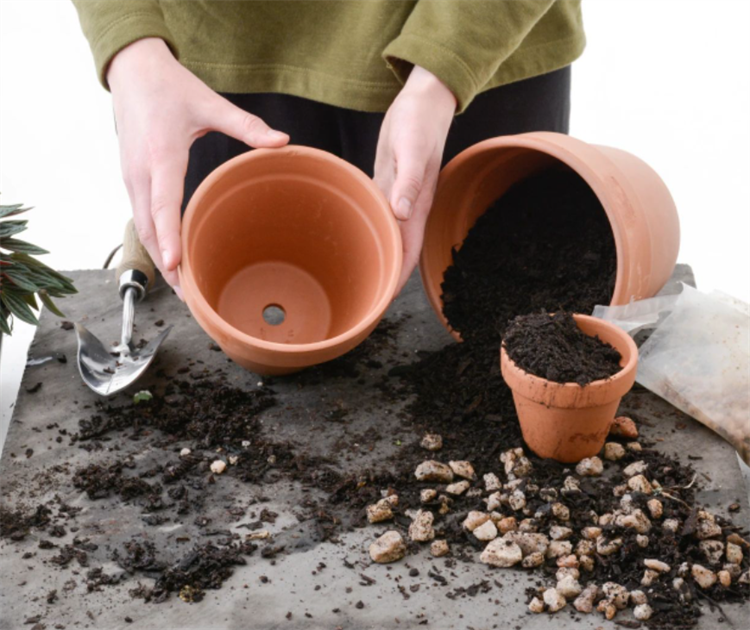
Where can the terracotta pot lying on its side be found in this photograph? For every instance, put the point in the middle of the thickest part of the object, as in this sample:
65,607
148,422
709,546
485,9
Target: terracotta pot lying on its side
638,205
290,258
567,421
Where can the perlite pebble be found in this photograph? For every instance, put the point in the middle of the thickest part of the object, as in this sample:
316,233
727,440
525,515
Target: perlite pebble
457,488
607,608
655,508
431,470
712,550
507,524
705,578
643,612
439,548
671,525
492,482
584,603
486,531
380,511
707,527
606,547
528,542
734,553
565,571
725,579
554,600
185,452
533,560
556,532
569,587
501,553
388,548
649,577
569,561
636,468
591,533
642,541
622,426
536,605
432,442
639,483
558,548
638,597
586,563
613,451
634,446
421,529
427,495
218,466
616,593
463,469
474,519
590,467
495,500
637,521
656,565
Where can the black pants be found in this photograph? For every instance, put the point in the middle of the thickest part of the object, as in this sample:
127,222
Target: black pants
538,104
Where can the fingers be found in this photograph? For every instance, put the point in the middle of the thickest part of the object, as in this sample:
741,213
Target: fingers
139,190
410,175
167,184
221,115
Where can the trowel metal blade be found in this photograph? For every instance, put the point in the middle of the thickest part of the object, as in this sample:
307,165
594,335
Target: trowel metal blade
106,374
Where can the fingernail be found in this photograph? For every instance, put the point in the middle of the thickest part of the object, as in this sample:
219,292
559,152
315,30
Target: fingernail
404,208
166,258
178,292
276,135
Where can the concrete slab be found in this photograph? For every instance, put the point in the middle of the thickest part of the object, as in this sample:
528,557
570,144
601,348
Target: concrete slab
294,583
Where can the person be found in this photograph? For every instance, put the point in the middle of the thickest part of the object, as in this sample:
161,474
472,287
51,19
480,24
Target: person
396,87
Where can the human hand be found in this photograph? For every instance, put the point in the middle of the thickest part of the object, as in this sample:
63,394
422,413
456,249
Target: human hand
410,150
160,109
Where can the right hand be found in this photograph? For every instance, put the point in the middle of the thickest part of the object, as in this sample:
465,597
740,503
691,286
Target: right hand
160,109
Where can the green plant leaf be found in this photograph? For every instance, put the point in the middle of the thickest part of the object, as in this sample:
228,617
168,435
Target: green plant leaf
9,211
22,247
47,301
6,320
9,228
18,307
21,278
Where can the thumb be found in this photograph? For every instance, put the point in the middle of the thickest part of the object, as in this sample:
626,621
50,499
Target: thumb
221,115
410,175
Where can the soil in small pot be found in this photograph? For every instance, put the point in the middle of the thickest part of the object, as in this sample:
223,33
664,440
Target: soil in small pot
552,346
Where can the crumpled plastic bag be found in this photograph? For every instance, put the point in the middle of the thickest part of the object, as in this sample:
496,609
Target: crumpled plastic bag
697,357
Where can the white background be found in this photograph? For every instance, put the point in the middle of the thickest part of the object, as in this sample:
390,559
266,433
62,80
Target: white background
668,80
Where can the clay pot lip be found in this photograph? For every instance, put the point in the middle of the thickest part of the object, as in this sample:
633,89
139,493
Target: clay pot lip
623,379
565,149
194,297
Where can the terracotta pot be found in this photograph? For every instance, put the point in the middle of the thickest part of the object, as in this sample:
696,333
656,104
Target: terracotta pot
639,207
565,421
290,258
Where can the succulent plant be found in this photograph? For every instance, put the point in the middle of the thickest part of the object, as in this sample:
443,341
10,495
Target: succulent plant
22,277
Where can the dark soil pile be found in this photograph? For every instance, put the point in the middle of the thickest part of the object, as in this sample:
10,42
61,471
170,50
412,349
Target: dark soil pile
553,347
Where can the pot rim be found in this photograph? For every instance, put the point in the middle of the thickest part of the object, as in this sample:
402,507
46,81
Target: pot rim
566,149
202,306
623,379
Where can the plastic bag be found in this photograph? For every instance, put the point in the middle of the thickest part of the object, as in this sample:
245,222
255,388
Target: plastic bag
697,358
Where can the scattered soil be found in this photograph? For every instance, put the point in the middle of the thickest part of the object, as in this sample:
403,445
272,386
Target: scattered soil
553,347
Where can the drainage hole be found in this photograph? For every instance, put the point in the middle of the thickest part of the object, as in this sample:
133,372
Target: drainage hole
274,315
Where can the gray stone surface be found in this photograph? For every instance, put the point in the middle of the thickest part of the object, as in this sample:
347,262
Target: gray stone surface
246,602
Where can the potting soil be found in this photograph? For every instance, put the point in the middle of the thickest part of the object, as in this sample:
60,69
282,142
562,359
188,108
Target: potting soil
552,346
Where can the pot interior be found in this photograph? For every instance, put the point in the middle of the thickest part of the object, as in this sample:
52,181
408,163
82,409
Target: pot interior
291,251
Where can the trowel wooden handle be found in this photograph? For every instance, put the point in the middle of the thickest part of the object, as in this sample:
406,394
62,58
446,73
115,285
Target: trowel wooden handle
135,258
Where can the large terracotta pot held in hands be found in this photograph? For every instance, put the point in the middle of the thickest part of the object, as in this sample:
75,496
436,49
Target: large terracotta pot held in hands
638,205
567,421
290,258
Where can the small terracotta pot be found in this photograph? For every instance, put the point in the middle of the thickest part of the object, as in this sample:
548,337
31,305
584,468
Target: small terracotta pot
638,205
290,258
565,421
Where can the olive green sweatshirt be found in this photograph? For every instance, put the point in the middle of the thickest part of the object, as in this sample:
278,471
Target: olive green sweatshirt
350,53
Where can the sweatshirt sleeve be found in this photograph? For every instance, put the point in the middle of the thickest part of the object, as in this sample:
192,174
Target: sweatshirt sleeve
462,43
111,25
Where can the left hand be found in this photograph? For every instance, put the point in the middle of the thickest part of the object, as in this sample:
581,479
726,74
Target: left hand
409,154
